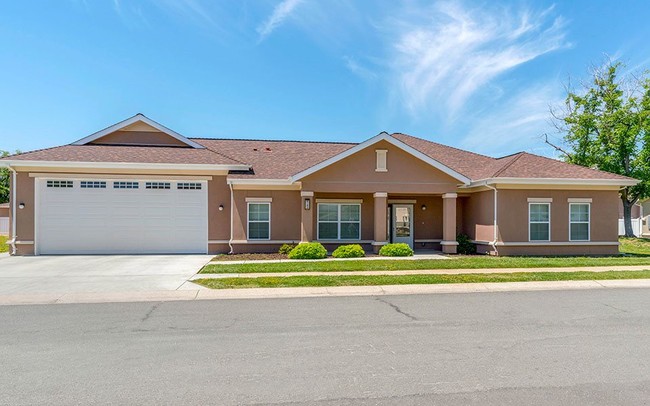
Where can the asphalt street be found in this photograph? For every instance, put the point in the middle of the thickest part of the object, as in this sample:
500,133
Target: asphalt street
513,348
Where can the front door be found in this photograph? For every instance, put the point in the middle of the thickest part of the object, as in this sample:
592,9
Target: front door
403,223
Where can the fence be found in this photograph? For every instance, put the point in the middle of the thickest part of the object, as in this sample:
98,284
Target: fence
4,225
636,227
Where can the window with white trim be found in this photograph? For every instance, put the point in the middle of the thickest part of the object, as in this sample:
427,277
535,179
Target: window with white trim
381,160
579,217
158,185
539,221
93,184
259,221
339,221
126,185
188,185
59,183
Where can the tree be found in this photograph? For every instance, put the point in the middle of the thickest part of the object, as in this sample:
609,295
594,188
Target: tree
4,180
606,126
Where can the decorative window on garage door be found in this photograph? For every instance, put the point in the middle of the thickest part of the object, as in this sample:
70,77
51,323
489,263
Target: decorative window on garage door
188,185
92,184
126,185
59,183
158,185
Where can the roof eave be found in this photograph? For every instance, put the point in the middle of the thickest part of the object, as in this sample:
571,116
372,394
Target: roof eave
554,181
121,165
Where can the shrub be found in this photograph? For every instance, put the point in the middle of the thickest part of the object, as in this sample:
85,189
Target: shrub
465,245
349,251
286,248
396,250
309,250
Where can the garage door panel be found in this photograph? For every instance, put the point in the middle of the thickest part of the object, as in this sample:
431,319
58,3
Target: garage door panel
111,220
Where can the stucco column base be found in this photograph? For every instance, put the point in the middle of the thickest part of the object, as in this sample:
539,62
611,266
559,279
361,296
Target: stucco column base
376,246
449,247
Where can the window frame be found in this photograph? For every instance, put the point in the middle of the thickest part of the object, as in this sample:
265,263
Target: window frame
338,222
540,222
588,222
248,221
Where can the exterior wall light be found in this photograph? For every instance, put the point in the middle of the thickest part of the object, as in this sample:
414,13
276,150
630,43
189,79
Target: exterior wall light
21,205
307,204
424,207
221,207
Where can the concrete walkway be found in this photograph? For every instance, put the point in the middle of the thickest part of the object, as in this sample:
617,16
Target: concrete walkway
425,272
260,293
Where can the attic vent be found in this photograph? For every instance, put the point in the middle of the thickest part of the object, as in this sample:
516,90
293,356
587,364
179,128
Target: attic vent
381,160
267,149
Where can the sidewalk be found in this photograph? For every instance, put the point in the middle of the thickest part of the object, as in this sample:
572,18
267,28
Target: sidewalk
425,272
268,293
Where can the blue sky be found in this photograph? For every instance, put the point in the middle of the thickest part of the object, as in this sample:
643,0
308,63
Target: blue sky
479,76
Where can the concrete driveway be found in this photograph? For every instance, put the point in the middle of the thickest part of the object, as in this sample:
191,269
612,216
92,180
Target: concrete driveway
97,273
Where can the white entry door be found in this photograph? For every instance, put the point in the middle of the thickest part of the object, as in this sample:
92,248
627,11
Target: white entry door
403,223
121,216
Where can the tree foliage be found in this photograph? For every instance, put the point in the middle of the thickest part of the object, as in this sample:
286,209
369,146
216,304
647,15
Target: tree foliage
606,125
4,180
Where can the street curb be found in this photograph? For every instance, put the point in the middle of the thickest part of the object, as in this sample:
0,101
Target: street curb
277,293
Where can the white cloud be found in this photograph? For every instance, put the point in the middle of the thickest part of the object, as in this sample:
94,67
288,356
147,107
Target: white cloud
515,124
280,13
447,53
358,69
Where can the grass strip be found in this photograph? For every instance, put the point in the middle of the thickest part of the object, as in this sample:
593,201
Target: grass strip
3,244
363,280
470,262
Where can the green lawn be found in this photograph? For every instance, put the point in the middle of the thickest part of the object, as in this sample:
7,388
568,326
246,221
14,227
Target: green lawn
3,244
636,252
361,280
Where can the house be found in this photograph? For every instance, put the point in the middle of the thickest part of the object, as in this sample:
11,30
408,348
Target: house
139,187
4,218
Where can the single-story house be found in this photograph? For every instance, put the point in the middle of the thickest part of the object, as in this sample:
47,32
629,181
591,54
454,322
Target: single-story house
4,218
139,187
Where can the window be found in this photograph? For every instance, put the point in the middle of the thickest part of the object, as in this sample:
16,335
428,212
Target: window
259,221
339,221
126,185
539,221
579,216
92,184
381,160
188,186
158,185
59,183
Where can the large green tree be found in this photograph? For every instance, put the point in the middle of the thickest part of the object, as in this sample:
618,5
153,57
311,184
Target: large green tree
605,124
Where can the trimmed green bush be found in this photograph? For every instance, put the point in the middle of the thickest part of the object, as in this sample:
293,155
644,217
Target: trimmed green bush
396,250
465,245
309,250
286,248
349,251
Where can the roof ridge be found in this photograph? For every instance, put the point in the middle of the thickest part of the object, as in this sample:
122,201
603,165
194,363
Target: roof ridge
446,146
266,140
508,164
35,150
579,166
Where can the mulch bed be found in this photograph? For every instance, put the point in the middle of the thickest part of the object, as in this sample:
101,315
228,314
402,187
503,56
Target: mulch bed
248,257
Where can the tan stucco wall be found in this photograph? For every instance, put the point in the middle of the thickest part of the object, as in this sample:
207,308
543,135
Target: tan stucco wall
24,217
218,221
4,211
513,214
556,250
478,212
138,138
356,174
285,214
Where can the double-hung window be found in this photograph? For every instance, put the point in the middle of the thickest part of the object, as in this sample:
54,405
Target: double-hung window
259,221
579,216
539,221
339,221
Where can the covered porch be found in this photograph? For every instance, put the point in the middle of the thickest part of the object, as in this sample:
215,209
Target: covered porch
428,223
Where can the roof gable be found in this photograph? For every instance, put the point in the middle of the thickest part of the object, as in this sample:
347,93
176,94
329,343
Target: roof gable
138,130
383,136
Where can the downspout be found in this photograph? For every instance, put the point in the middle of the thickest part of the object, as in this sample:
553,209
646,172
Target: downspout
232,209
495,227
12,242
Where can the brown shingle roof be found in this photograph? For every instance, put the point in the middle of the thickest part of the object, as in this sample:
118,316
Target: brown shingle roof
282,159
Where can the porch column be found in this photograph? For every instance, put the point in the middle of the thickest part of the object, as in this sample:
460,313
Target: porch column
381,205
307,216
449,223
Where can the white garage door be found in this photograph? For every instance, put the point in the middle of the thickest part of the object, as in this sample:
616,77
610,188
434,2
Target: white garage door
121,216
